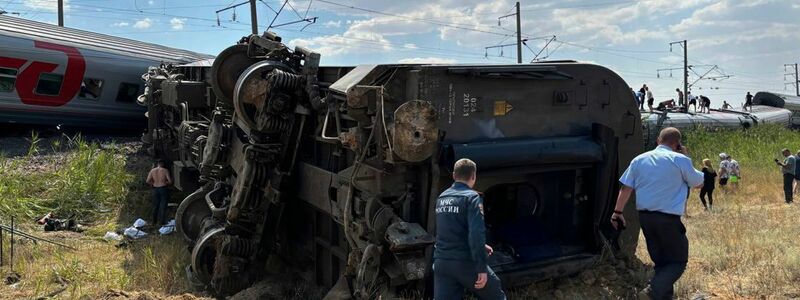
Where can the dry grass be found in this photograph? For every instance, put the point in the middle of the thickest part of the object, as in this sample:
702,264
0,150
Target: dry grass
748,246
91,182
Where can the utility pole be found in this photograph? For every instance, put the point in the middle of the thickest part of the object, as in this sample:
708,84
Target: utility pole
519,37
796,81
519,31
685,73
60,13
685,69
253,16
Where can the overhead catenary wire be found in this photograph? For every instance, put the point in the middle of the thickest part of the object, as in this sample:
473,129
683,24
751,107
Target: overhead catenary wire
462,26
560,42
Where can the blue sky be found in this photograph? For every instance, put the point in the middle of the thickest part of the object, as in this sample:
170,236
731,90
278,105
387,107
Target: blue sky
750,40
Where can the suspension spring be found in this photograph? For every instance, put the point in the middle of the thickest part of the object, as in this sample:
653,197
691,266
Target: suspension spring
284,80
235,246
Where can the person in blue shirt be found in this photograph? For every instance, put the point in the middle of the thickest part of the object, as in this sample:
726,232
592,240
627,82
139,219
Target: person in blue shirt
661,179
459,256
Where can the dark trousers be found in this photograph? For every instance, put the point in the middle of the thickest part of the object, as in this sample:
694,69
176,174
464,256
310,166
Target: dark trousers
450,278
668,248
788,179
707,191
160,199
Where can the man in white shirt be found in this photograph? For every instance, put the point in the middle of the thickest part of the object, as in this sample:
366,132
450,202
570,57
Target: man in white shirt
650,99
692,101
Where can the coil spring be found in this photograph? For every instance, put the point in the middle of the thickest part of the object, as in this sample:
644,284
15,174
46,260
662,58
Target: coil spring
284,80
274,124
235,246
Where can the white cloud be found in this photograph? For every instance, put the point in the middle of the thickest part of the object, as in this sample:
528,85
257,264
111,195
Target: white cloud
332,24
48,5
143,23
409,46
427,60
177,24
346,43
151,2
120,24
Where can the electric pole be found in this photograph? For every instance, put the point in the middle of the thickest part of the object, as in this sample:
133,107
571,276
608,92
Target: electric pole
685,72
685,68
519,31
253,16
60,13
796,81
519,37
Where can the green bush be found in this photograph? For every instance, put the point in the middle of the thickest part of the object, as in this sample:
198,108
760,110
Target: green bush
86,183
754,148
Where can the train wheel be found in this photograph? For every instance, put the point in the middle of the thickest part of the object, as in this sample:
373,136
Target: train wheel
227,67
204,255
191,214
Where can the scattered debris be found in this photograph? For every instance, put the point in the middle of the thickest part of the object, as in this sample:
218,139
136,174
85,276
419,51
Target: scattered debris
12,278
52,224
135,231
112,236
167,228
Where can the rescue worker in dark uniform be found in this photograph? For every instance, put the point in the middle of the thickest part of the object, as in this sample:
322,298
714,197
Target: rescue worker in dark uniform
459,257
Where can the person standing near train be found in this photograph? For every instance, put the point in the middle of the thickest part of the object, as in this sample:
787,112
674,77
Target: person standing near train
661,179
160,180
723,171
460,252
734,173
642,93
692,101
787,168
709,176
748,102
650,98
796,173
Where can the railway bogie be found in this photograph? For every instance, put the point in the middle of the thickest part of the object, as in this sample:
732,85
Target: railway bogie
336,169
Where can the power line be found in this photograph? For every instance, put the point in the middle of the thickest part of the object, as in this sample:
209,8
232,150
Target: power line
400,47
584,5
591,48
430,21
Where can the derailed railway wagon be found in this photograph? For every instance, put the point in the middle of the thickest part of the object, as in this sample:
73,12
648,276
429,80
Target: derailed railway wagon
717,119
789,102
336,169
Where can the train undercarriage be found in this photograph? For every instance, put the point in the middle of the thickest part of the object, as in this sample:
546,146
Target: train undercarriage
336,169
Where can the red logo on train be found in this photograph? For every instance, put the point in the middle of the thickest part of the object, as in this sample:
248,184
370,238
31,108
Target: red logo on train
28,77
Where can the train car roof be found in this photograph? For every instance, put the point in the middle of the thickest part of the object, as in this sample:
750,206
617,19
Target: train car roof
27,29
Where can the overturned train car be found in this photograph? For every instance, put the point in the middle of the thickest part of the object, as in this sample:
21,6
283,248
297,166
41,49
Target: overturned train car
336,169
653,122
789,102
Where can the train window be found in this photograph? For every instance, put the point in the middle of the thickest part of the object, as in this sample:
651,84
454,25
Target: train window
127,92
91,89
49,84
7,79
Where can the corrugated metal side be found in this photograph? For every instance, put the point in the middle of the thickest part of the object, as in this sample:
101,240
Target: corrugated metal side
19,27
